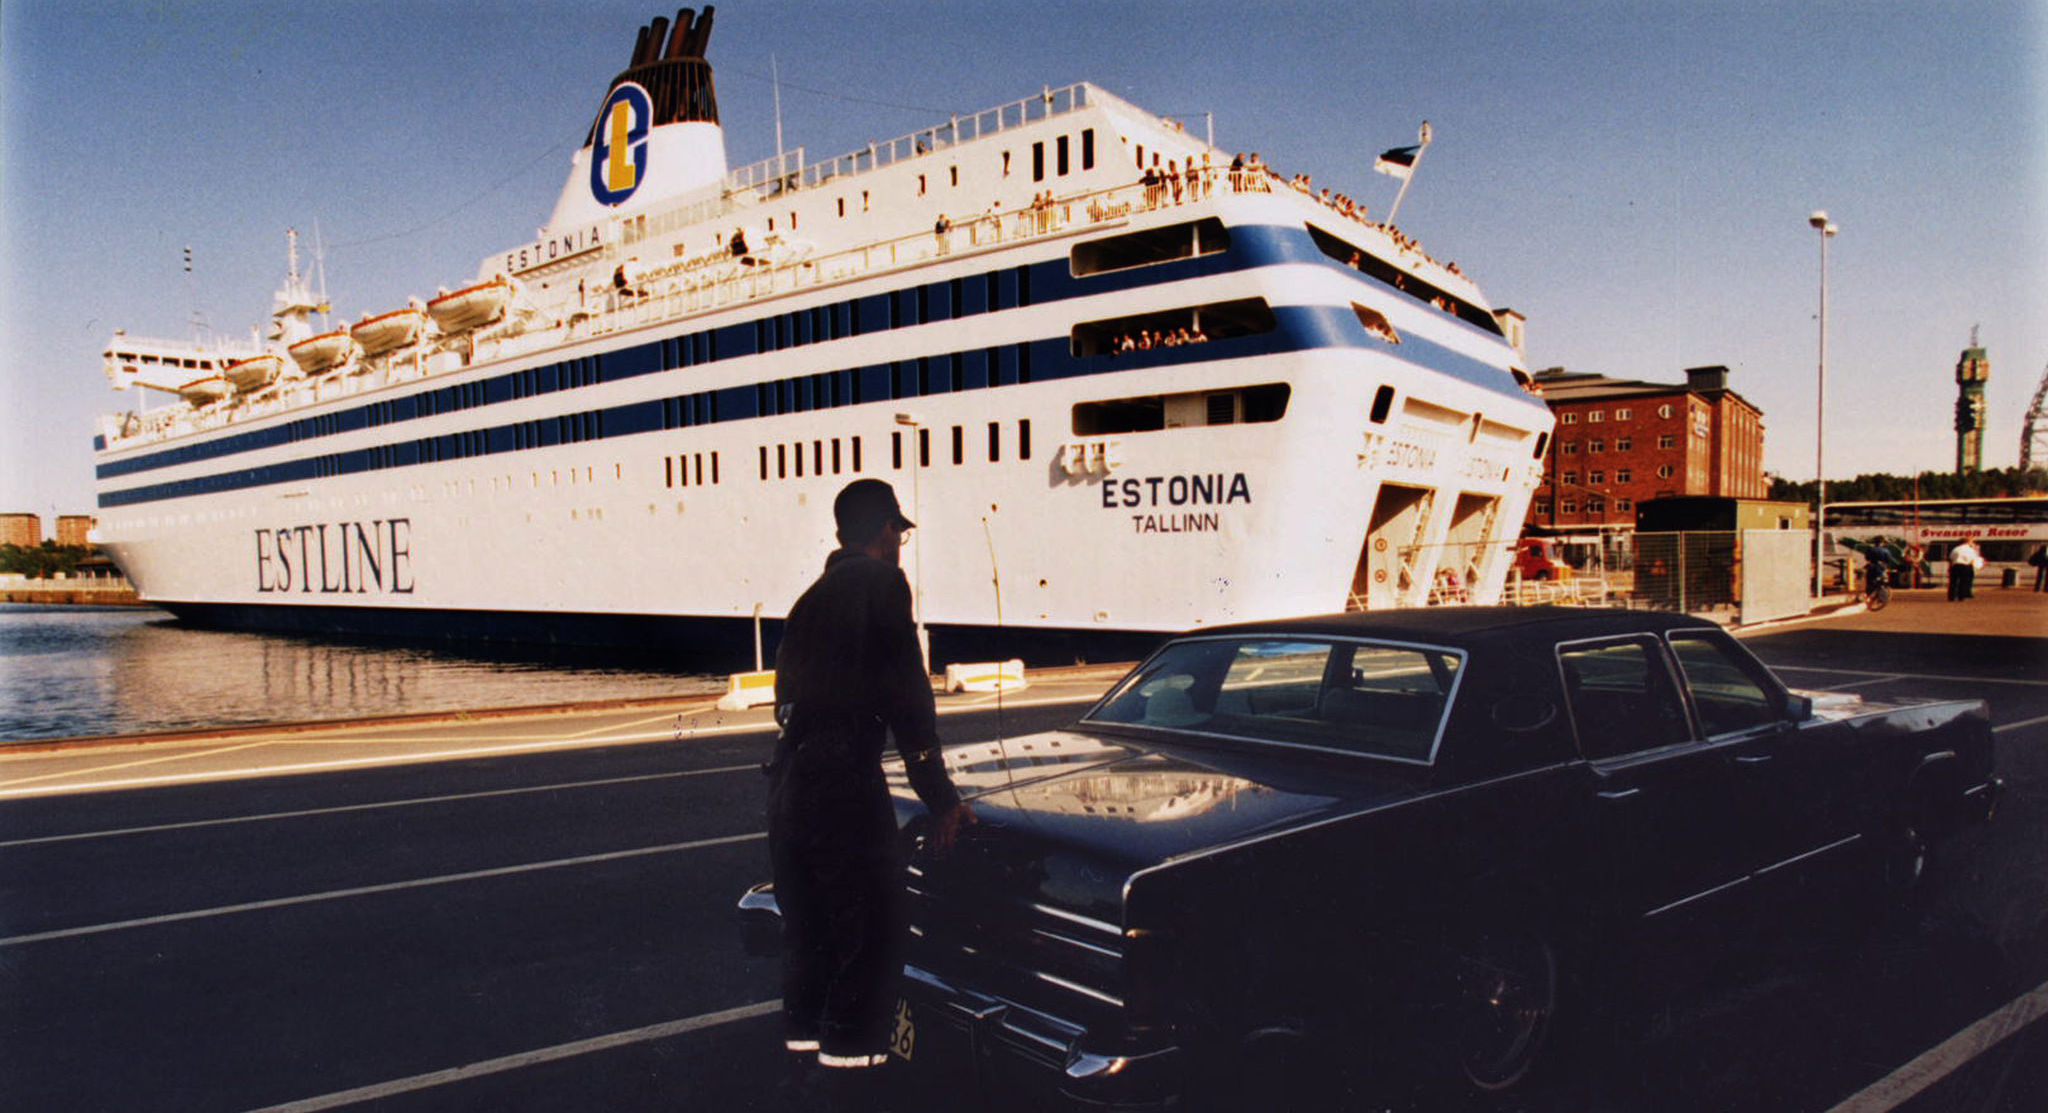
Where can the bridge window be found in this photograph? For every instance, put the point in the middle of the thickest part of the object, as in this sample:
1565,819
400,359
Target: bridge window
1365,262
1154,245
1173,327
1145,413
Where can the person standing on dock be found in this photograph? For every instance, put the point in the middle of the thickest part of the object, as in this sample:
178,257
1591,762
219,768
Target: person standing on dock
848,670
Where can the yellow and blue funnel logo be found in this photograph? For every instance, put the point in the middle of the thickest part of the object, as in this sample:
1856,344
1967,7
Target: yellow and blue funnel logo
618,152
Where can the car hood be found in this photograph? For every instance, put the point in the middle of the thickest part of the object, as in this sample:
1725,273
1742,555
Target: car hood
1064,818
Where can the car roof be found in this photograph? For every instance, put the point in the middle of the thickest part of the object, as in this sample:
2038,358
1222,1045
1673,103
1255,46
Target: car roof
1459,627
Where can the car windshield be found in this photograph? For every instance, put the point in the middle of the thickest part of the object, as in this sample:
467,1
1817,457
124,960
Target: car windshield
1357,697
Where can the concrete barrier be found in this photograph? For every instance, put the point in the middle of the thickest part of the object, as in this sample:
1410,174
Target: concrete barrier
748,689
987,676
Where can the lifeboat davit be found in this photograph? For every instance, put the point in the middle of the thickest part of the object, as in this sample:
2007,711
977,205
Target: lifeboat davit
387,332
319,354
465,309
252,373
201,392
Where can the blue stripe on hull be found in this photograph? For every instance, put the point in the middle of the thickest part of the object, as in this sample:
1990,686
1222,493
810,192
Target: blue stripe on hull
688,643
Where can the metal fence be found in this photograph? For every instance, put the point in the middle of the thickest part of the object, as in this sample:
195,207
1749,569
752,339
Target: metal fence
1755,575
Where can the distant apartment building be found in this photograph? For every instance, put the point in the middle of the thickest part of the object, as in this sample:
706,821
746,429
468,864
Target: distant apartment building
1619,442
25,530
73,529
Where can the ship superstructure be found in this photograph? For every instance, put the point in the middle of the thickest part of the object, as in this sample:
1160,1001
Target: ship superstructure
1124,384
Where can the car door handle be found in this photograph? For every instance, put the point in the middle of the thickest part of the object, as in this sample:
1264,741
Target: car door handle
1751,759
1619,793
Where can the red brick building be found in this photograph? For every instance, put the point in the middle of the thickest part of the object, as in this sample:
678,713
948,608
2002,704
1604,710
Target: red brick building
1619,442
25,530
72,529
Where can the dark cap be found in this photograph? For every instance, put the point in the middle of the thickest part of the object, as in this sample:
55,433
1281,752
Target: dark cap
864,507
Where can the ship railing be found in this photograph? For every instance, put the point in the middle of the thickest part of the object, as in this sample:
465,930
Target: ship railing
786,171
717,280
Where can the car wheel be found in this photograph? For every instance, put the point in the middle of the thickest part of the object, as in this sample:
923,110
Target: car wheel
1905,862
1506,1001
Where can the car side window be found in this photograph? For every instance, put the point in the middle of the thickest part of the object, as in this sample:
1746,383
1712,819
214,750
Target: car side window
1726,688
1623,698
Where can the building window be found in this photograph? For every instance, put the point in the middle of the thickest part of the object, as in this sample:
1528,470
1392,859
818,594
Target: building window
1595,478
1664,411
1664,471
1623,444
1624,506
1571,479
1622,475
1569,506
1623,414
1596,445
1667,440
1569,419
1543,506
1596,417
1571,448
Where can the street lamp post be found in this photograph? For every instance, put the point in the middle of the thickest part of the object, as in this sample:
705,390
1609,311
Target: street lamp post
1820,223
924,642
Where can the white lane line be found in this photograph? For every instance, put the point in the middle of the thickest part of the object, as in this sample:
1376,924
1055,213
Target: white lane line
524,1059
1885,679
1935,1064
405,758
1913,676
409,802
372,890
135,764
2033,722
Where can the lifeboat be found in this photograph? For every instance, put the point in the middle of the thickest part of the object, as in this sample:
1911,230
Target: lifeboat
249,374
319,354
386,332
465,309
202,392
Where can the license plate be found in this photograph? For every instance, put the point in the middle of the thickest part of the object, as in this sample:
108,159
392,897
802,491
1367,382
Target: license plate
903,1039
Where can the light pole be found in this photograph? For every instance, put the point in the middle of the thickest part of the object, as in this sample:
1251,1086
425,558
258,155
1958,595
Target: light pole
924,642
1820,223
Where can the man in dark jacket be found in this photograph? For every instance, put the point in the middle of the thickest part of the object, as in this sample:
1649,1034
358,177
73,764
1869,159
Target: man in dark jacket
849,668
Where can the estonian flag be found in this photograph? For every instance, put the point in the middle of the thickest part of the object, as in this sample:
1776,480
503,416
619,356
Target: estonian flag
1398,162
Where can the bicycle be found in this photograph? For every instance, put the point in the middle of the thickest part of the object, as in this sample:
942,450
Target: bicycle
1877,588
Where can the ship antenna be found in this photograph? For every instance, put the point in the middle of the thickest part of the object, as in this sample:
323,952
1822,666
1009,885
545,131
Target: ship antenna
775,80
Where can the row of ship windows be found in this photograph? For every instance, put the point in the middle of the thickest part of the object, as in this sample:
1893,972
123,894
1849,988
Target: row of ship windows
838,455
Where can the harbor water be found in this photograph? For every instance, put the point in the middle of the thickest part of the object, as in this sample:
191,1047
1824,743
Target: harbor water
68,671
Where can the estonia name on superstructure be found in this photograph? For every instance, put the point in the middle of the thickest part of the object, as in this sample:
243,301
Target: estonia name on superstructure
1124,385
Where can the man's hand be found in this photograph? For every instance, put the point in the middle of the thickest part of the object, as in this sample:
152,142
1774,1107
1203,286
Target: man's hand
946,827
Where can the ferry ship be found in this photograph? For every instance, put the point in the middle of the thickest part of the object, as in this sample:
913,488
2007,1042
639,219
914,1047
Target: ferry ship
1121,381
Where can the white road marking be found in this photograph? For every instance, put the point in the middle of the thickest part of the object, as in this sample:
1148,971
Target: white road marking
1885,679
7,787
524,1059
373,890
134,764
1935,1064
2033,722
405,803
1912,676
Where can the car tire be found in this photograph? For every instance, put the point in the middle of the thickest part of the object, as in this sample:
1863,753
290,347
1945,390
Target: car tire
1905,863
1506,990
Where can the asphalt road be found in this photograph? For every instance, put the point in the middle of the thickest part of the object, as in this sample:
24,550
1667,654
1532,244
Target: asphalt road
544,929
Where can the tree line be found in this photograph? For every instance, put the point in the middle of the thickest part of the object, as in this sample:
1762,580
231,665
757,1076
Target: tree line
44,561
1880,487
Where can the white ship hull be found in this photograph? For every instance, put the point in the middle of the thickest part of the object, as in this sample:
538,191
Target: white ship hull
573,482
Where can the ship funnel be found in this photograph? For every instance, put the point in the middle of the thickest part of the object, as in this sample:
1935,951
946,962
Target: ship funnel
656,135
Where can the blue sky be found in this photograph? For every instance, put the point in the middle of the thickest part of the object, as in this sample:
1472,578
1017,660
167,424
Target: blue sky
1634,177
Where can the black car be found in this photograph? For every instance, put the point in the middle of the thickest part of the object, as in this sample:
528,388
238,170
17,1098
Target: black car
1387,839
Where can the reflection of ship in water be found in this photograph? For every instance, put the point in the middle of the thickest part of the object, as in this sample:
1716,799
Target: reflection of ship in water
156,675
